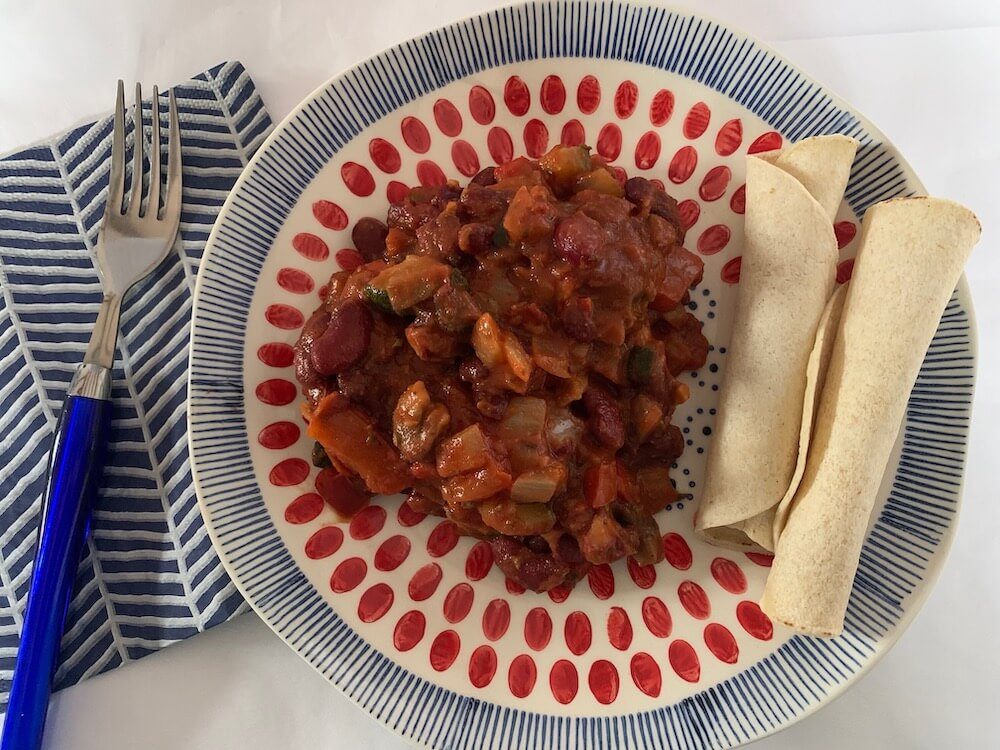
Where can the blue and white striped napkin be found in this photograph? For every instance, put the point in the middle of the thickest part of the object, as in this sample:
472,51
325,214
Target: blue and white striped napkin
150,576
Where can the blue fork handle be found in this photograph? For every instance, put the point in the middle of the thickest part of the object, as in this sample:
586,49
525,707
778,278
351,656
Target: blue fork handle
75,464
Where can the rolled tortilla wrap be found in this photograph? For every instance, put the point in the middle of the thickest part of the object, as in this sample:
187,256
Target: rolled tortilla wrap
788,274
911,256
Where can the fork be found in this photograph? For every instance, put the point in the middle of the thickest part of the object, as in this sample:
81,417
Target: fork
133,240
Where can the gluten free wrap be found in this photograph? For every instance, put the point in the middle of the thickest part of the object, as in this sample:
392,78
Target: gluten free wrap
910,259
788,274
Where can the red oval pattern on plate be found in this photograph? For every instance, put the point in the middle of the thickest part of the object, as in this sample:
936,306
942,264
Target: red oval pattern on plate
721,643
713,239
536,138
754,621
516,96
409,631
458,602
662,107
844,231
689,211
738,203
276,354
283,316
553,95
444,650
409,517
603,681
500,146
560,593
729,138
443,539
714,183
482,666
396,191
657,617
521,676
578,633
415,135
279,435
602,581
465,158
385,155
696,121
609,141
573,134
496,619
392,552
564,681
310,246
367,522
324,542
447,117
646,674
357,178
304,508
730,273
588,95
289,472
845,269
481,105
479,561
676,551
424,582
694,599
644,576
761,558
330,215
348,259
429,174
513,587
769,141
375,602
682,165
626,97
348,575
295,281
619,629
647,150
729,575
537,629
276,392
684,661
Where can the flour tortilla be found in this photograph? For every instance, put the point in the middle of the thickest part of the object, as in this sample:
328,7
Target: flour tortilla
788,274
911,256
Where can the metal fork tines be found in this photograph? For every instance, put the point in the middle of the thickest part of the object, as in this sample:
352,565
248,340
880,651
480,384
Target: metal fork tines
136,234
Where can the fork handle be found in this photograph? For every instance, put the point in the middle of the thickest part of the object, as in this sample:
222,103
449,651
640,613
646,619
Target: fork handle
75,464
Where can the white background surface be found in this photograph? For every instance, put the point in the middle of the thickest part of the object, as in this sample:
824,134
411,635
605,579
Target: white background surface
928,74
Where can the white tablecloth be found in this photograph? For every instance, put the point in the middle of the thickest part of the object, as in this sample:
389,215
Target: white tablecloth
928,76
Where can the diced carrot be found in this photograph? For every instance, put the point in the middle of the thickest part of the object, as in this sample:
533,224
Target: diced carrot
600,484
349,436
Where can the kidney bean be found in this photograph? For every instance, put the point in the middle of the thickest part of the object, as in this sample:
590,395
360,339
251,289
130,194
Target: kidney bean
345,340
577,238
368,237
486,177
475,239
577,318
645,195
604,417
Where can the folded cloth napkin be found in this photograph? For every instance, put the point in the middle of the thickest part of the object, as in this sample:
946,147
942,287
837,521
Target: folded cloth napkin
149,576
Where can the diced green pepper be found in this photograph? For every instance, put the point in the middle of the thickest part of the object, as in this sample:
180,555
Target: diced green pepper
319,457
458,279
500,237
640,364
378,297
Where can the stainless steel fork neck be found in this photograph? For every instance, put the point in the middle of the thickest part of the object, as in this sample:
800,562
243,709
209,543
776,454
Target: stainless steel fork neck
101,349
